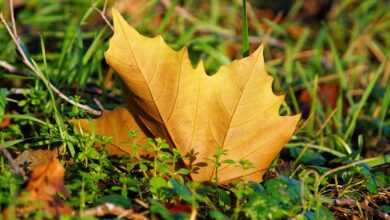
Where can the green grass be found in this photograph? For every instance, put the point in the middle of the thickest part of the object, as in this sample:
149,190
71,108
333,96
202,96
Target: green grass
339,153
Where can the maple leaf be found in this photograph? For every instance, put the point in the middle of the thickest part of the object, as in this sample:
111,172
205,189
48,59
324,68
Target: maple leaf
234,110
116,124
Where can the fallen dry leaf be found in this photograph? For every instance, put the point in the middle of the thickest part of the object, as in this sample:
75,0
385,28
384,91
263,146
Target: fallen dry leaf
5,123
295,31
327,93
45,184
43,191
235,109
116,124
179,208
34,158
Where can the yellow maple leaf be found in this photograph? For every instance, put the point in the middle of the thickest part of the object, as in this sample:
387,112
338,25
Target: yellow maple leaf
234,110
116,124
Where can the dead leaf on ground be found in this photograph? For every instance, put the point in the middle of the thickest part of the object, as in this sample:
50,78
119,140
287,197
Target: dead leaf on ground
295,31
235,109
327,93
43,191
116,124
177,208
5,123
33,158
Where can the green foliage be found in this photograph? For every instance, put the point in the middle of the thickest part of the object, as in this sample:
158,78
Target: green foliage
3,102
279,198
10,184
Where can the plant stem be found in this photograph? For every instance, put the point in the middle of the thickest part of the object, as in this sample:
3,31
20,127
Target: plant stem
245,32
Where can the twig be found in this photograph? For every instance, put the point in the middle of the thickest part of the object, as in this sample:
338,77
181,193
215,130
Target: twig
373,211
8,67
344,202
11,5
99,104
32,67
142,203
364,205
102,14
104,7
111,209
14,166
19,91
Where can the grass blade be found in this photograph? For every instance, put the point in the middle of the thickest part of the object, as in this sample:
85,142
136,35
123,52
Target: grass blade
245,31
362,102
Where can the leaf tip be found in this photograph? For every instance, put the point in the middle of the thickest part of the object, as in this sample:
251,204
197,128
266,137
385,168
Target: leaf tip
117,18
115,13
200,65
261,48
298,116
295,119
258,54
259,51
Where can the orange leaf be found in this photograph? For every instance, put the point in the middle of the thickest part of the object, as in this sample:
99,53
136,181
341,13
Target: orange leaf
34,158
5,123
116,124
235,109
42,192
